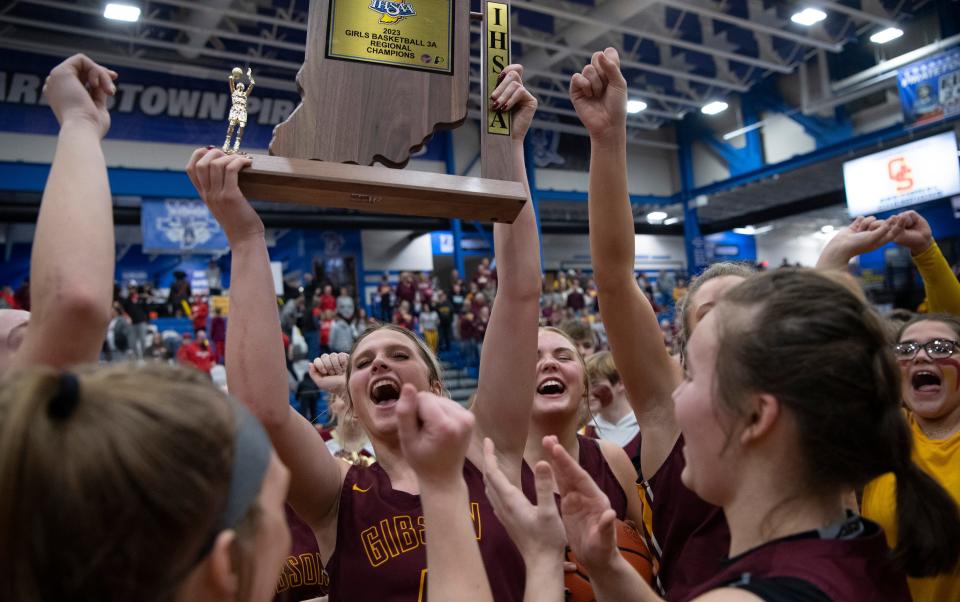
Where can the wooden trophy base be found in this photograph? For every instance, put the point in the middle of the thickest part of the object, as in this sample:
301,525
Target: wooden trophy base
381,189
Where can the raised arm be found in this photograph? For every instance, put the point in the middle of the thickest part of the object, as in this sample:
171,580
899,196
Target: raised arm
71,268
256,370
599,94
508,361
435,434
252,82
865,234
939,281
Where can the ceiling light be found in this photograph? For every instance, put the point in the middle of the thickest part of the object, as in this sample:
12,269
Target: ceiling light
635,106
753,230
671,221
808,17
827,229
656,217
884,36
717,106
744,130
122,12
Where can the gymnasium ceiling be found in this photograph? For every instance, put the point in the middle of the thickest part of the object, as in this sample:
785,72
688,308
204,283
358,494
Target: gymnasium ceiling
677,55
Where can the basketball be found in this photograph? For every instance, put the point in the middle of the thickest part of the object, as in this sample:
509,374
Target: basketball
632,547
237,73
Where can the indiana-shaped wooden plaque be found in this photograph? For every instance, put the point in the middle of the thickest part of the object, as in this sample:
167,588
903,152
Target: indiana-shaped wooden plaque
378,79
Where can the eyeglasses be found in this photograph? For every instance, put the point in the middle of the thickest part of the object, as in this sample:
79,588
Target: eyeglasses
937,349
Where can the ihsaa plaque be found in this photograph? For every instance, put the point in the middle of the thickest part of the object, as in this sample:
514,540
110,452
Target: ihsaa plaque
416,34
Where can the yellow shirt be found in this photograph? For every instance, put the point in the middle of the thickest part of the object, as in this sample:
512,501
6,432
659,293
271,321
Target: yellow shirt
942,287
939,458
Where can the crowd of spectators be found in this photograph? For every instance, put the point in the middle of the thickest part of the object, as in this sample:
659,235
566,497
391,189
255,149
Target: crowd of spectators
318,317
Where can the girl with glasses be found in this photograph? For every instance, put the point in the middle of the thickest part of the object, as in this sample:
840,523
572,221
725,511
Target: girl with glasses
926,351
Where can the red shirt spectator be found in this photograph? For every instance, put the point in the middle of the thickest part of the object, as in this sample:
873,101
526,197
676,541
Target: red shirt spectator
326,324
196,353
403,317
327,300
7,299
200,312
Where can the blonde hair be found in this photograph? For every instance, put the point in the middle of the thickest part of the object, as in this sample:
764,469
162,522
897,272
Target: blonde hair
116,498
600,366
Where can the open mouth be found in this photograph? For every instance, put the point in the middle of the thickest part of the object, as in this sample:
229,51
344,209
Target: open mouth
925,382
551,386
385,391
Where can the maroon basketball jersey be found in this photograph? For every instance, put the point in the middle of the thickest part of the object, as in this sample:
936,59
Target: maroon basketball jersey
592,461
381,546
303,577
843,569
692,534
632,447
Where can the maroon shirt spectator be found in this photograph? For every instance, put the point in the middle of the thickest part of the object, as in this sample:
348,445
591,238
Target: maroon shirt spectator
468,328
425,288
575,300
22,296
480,324
406,289
479,302
218,334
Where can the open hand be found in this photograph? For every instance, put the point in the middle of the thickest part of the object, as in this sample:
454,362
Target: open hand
536,530
586,512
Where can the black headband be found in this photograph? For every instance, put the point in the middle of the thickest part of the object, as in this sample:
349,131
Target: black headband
65,400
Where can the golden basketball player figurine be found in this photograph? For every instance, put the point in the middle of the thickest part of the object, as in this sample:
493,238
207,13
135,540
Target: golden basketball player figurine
238,107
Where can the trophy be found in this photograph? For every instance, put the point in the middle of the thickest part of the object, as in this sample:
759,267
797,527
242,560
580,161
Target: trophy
379,78
238,107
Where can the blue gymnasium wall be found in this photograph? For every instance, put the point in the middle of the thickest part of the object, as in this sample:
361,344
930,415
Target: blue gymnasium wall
297,249
730,246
